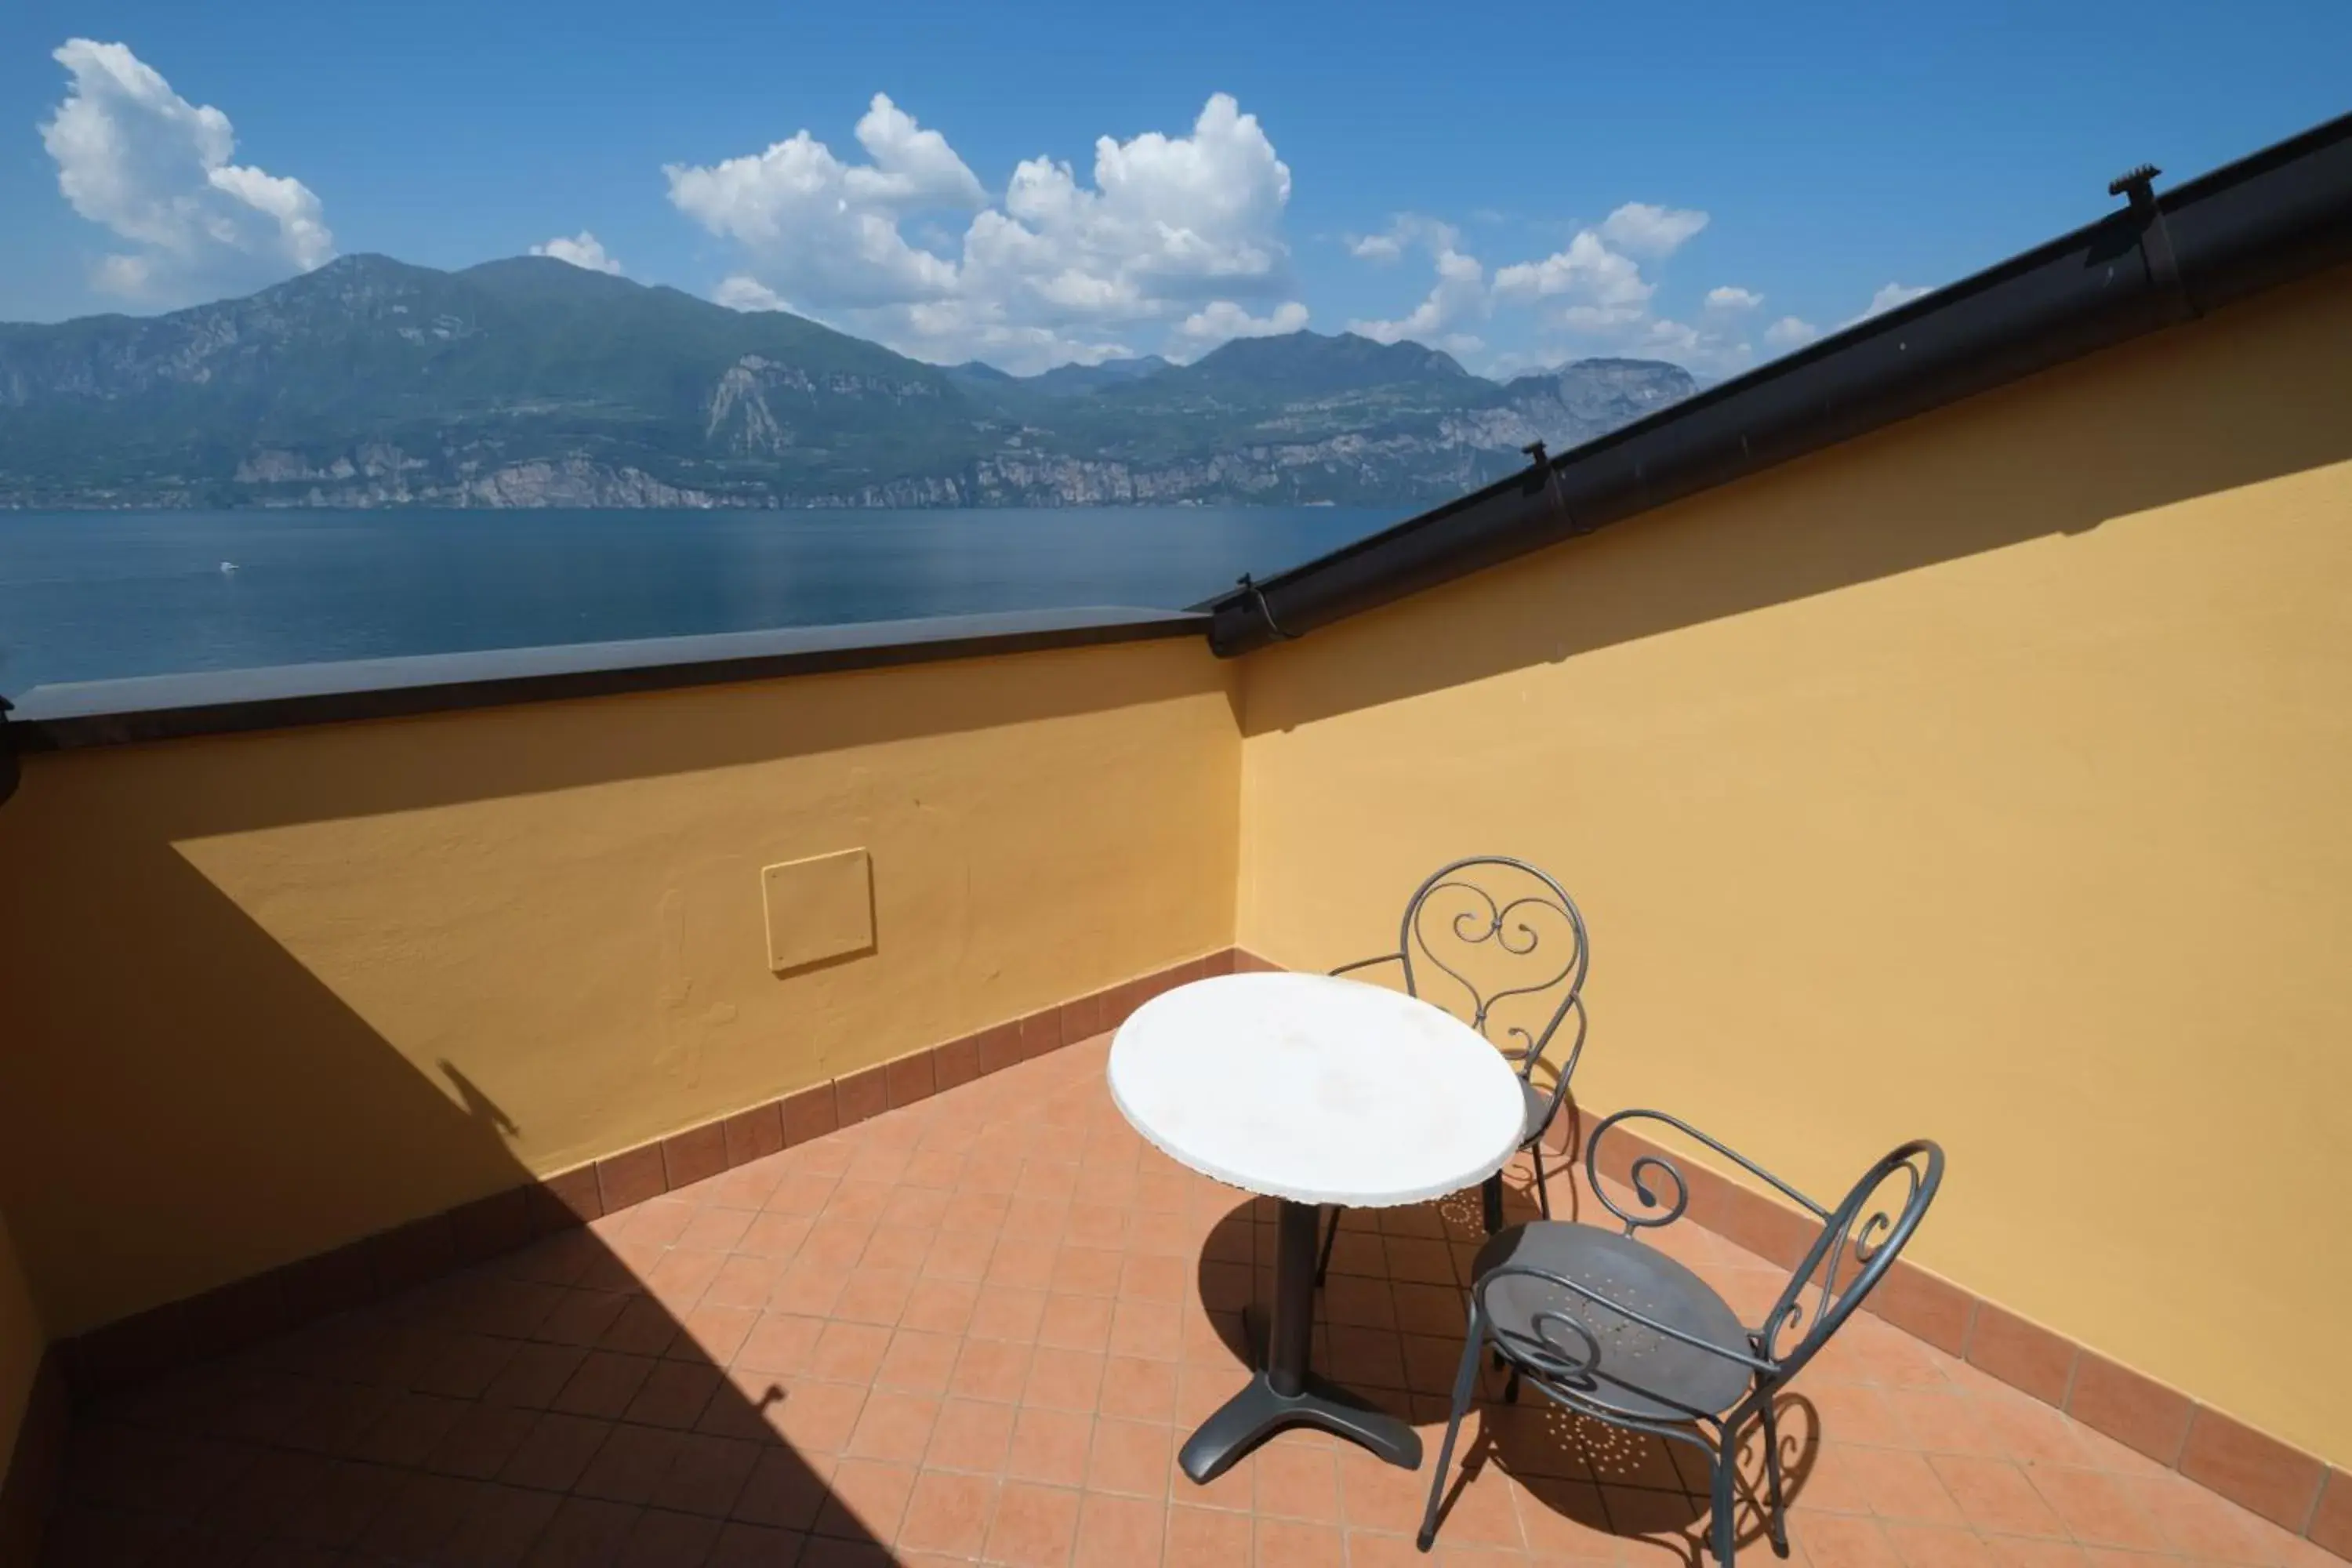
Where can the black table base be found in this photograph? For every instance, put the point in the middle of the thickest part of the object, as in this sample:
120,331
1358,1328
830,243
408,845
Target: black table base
1286,1393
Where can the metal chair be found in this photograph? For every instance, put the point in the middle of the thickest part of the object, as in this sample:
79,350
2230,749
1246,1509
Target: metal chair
1502,945
1616,1330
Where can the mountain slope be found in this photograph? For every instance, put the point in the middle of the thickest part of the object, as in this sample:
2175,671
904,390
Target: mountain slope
529,382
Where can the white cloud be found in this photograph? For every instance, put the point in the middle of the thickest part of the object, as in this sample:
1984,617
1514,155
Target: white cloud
1589,296
1887,297
1703,346
581,249
829,231
739,292
1790,331
1051,271
1459,295
1591,286
1592,296
1405,230
1222,321
137,158
1652,231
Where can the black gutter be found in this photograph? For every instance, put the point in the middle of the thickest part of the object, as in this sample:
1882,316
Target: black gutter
2282,213
226,702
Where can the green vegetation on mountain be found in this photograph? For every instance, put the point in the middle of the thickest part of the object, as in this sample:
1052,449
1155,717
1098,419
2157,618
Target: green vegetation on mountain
529,382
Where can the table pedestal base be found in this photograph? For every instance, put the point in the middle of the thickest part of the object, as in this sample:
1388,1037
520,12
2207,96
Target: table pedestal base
1285,1393
1257,1412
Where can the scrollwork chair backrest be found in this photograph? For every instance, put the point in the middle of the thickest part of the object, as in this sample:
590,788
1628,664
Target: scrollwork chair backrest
1500,944
1858,1242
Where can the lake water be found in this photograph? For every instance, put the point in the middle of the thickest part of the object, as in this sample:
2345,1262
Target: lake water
93,595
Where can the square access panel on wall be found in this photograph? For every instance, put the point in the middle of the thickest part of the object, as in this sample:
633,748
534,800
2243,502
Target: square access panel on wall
818,908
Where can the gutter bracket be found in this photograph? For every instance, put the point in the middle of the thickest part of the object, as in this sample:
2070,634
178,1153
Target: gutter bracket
1265,611
1540,464
2155,242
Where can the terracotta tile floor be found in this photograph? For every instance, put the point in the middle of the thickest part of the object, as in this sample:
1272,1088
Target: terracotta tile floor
977,1330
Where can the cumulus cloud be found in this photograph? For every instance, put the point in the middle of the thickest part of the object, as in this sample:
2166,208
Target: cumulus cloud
828,231
1589,285
739,292
1405,231
1052,271
581,249
1222,321
135,157
1888,297
1705,346
1457,298
1647,230
1171,240
1790,331
1593,295
1589,296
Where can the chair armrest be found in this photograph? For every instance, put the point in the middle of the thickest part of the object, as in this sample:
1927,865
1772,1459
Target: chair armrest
1528,1059
1368,963
1647,1166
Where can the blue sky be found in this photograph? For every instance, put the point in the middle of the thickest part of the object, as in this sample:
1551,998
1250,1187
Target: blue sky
1518,184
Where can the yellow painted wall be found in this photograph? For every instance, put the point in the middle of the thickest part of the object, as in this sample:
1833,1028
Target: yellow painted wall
269,993
21,1344
1990,778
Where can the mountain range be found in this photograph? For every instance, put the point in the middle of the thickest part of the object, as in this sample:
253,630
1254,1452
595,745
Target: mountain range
529,382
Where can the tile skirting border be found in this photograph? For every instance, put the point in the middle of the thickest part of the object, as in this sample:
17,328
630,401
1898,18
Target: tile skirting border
2258,1472
2261,1474
246,1311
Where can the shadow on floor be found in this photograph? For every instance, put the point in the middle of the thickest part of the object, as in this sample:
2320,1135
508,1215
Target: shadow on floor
1631,1484
544,1409
1390,1321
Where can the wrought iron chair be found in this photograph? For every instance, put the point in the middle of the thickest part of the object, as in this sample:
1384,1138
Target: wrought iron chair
1502,945
1616,1330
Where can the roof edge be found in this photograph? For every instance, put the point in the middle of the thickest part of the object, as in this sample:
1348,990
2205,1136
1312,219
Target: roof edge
2278,215
71,717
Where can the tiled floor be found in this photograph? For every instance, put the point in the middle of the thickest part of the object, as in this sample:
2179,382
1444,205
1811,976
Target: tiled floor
976,1330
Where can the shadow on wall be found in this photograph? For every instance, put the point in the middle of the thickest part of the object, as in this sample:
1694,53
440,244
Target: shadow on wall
194,1126
269,1121
191,1104
543,1398
2250,394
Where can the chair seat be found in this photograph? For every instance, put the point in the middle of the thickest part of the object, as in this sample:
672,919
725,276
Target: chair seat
1538,1102
1635,1371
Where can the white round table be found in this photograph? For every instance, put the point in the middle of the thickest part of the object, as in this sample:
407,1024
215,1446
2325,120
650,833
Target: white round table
1313,1091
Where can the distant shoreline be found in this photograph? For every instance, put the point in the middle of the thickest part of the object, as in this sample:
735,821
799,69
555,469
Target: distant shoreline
102,594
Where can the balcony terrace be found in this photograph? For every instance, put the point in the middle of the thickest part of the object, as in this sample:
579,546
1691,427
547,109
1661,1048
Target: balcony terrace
976,1328
646,1104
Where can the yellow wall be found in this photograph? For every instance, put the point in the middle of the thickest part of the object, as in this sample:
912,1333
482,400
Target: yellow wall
1990,778
21,1344
273,993
1985,779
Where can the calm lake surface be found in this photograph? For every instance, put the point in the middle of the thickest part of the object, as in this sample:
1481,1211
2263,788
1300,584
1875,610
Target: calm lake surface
94,595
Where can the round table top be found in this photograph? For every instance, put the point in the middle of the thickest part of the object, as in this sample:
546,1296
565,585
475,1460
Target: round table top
1316,1090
